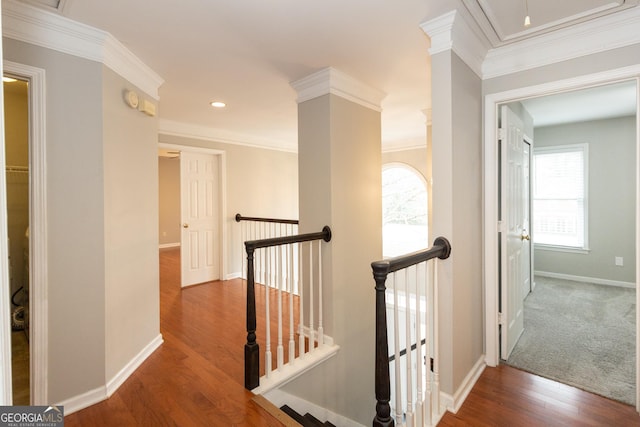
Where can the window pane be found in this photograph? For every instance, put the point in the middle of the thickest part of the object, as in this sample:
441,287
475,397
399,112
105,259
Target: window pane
558,196
404,211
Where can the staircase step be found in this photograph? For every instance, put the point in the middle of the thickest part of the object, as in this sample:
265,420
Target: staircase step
306,420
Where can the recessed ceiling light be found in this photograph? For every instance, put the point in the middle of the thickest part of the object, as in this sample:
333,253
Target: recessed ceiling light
218,104
8,80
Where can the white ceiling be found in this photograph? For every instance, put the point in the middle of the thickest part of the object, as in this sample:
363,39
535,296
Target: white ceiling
246,53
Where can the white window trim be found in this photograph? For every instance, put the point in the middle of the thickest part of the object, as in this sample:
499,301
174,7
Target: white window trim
584,147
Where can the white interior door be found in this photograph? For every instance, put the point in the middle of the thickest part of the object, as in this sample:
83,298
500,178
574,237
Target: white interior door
515,254
200,207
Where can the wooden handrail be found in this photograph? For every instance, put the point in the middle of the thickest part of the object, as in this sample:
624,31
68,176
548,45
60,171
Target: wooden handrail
251,348
441,249
257,219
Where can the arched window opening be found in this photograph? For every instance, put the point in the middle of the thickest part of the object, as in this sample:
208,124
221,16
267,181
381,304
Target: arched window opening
404,211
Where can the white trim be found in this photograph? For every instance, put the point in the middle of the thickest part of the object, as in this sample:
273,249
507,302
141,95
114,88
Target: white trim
280,398
594,280
608,32
98,394
453,403
457,31
330,80
84,400
50,30
490,188
583,149
232,276
38,246
119,378
223,193
169,245
186,130
292,370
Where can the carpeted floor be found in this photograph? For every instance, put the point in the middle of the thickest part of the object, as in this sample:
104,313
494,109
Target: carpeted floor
580,334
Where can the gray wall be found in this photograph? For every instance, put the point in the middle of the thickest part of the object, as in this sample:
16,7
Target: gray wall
87,203
260,182
611,199
457,213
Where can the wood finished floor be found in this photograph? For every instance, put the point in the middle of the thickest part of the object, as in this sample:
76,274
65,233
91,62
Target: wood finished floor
196,377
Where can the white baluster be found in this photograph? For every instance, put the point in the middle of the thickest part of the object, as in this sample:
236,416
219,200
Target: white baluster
311,330
408,343
267,353
280,280
320,285
428,386
436,342
292,342
301,348
419,358
396,346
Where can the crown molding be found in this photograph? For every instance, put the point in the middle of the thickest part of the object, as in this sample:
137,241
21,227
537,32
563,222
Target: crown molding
456,31
608,32
330,80
37,26
187,130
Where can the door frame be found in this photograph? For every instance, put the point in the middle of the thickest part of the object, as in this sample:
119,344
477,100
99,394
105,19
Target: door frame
222,188
490,190
38,253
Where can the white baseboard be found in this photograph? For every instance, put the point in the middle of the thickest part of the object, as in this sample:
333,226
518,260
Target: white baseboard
593,280
170,245
97,395
453,403
84,400
232,276
280,398
133,364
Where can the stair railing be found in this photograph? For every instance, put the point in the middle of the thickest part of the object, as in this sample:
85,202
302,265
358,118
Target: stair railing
282,271
256,228
413,294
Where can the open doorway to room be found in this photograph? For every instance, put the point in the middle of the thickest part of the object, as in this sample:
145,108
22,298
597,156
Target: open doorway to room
580,307
16,110
191,207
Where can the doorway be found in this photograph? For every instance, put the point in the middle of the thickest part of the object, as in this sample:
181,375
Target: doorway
192,210
579,325
34,247
16,111
491,200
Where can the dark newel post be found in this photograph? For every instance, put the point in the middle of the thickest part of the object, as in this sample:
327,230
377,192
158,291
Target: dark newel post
251,353
383,388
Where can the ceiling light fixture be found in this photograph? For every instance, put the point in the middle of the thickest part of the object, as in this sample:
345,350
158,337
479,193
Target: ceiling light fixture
527,19
218,104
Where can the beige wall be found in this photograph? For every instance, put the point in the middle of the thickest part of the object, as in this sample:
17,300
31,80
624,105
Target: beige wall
96,320
169,200
75,211
415,157
340,185
259,183
132,299
457,213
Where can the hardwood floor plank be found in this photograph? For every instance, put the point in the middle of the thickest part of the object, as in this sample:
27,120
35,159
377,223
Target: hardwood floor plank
505,396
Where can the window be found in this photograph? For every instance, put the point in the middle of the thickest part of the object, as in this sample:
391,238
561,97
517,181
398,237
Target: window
559,196
404,210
